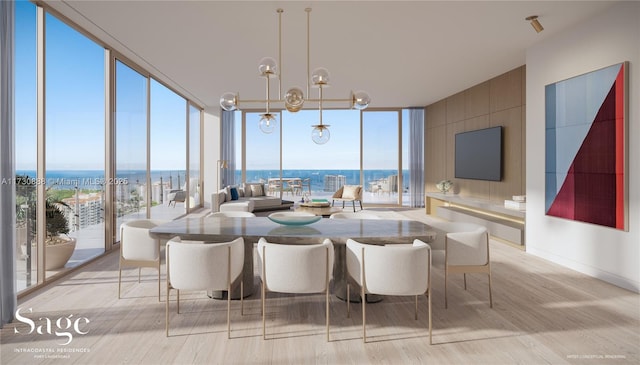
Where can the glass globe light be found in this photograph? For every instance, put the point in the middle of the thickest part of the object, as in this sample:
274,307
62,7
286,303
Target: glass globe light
320,76
361,100
294,99
320,134
228,102
268,67
268,123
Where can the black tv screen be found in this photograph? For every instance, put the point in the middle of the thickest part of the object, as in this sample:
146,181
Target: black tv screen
479,154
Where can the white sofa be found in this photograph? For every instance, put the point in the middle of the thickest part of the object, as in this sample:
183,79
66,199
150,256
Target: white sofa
247,201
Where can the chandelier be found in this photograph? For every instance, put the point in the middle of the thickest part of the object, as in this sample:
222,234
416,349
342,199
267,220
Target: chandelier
293,99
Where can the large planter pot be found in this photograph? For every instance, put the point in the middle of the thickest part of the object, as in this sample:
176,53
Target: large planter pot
57,255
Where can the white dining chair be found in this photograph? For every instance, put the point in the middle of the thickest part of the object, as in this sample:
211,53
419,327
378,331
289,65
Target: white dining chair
403,270
467,252
295,269
138,248
195,265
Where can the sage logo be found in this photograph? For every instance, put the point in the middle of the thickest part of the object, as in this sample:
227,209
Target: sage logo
60,327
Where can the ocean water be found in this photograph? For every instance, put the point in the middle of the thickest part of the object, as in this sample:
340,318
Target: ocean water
94,179
317,176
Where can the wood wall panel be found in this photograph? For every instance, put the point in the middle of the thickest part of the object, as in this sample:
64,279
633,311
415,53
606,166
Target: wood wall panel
455,107
506,90
511,184
476,100
436,115
436,149
499,101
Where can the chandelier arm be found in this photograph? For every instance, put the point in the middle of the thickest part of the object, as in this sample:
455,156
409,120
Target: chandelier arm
314,100
308,10
268,100
320,104
280,52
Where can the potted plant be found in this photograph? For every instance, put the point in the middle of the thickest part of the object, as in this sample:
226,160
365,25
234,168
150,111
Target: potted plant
58,246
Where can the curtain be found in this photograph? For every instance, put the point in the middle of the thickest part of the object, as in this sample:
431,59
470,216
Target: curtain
228,153
8,297
416,157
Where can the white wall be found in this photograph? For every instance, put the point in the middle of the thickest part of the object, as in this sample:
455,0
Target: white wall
211,151
609,254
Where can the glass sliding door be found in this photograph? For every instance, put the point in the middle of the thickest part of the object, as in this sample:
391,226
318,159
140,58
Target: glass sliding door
319,170
26,143
131,145
236,164
381,156
168,147
75,149
405,189
262,152
195,190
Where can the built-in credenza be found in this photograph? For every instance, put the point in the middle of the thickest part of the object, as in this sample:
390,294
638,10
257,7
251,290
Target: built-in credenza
502,223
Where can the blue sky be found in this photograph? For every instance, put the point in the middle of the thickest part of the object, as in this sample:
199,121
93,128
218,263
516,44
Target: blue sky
75,104
75,115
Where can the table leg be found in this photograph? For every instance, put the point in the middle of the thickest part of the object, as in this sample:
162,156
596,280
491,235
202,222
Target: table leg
246,277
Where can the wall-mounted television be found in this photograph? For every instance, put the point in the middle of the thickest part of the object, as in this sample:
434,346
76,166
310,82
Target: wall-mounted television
479,154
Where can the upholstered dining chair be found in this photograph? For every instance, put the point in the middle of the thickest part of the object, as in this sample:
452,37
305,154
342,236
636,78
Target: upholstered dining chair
295,269
138,249
232,213
195,265
402,270
467,252
348,193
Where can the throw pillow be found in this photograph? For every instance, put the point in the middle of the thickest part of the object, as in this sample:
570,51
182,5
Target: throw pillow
234,194
257,190
247,189
227,194
350,192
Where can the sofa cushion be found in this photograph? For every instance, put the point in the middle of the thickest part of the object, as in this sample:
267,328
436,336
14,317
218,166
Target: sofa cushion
227,194
350,192
263,202
234,193
257,190
237,206
246,187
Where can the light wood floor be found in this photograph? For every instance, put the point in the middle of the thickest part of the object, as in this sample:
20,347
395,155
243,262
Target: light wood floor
543,314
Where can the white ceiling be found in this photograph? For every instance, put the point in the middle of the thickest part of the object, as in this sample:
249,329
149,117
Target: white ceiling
403,53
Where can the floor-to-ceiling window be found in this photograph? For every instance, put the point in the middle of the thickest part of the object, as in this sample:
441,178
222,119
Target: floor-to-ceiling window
168,147
67,144
405,189
262,150
75,150
380,156
236,164
364,149
25,143
131,145
320,169
195,188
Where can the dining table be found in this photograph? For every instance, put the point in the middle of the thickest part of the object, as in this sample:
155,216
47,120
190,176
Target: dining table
225,229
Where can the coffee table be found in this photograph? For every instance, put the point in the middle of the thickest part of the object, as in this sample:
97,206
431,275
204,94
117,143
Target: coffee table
324,211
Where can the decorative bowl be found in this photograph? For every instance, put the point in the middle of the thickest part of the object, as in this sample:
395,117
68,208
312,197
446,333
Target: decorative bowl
294,220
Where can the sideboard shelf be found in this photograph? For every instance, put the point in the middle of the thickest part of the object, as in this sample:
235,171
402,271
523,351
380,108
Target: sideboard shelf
502,223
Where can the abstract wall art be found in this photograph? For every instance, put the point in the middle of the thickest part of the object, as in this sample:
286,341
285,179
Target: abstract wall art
586,147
